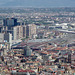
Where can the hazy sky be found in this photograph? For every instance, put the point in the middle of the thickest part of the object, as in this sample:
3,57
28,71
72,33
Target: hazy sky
38,3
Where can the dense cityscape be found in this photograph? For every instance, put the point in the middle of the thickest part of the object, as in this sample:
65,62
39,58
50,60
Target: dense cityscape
37,41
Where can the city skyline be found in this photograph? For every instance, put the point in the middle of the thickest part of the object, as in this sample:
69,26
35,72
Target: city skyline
36,40
37,3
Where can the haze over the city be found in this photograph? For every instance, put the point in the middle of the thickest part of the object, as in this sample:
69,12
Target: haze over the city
37,3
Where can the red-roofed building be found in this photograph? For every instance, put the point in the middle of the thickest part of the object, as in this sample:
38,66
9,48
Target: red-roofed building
23,72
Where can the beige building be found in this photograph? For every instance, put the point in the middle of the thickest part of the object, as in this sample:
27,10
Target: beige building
31,30
17,32
24,31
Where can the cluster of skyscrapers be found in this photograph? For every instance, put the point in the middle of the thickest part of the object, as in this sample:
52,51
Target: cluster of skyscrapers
12,31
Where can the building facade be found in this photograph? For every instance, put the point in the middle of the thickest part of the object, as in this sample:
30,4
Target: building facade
31,30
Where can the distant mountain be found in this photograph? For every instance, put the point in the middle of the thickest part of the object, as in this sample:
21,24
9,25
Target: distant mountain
37,3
